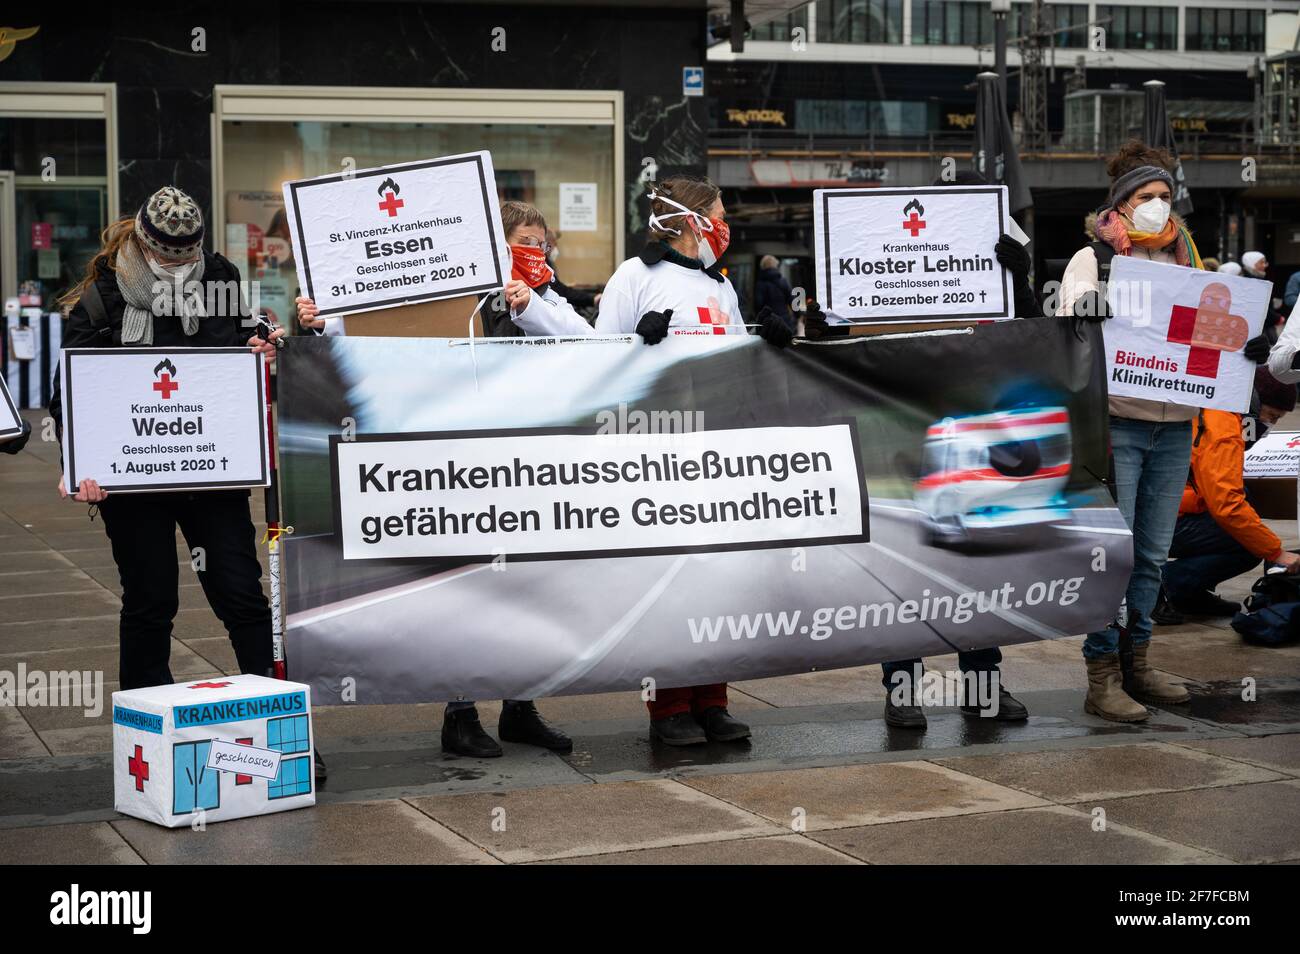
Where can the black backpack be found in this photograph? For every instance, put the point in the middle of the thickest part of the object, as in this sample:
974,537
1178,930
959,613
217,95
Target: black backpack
1271,614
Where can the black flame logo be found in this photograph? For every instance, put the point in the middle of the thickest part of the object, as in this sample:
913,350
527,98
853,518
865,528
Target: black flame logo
390,184
164,365
914,204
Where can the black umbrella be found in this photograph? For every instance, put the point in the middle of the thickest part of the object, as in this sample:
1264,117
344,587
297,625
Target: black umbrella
995,151
1158,133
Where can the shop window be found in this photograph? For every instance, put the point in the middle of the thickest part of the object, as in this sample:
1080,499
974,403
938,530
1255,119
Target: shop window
61,202
531,157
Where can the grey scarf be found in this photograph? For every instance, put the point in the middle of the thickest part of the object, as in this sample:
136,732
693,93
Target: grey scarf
147,294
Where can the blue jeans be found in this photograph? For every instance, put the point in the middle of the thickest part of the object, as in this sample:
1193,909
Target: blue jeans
1151,460
1204,556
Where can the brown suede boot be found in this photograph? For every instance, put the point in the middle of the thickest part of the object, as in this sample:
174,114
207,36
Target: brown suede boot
1106,695
1147,685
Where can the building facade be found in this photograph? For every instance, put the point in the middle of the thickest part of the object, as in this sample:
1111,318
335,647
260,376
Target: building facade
227,101
840,92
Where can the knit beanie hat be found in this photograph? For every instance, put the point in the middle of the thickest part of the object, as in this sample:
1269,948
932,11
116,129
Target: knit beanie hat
1272,391
1134,179
170,225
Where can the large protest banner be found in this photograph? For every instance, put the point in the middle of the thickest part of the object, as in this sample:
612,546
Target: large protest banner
399,234
686,513
148,419
923,254
1175,334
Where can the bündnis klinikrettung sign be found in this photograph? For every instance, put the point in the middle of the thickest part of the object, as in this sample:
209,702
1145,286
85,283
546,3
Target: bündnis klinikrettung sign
399,234
923,254
1176,334
707,509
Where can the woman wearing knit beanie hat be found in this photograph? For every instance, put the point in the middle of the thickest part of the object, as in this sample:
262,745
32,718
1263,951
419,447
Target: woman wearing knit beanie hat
1151,441
153,284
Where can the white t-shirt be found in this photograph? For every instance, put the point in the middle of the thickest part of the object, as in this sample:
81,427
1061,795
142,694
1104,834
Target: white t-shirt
701,305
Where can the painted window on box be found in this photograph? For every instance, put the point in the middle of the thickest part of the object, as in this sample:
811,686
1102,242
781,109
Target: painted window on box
289,734
194,785
294,778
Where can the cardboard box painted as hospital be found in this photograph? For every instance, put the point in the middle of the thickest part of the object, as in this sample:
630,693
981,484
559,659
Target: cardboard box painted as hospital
221,748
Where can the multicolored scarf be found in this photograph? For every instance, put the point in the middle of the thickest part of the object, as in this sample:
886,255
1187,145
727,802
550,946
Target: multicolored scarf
1112,229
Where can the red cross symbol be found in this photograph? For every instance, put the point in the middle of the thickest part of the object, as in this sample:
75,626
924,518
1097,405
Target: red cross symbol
208,685
706,318
1293,442
243,779
138,768
914,224
391,204
166,385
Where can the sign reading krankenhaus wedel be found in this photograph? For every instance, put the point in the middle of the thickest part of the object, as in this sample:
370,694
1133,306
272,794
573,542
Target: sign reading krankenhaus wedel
399,234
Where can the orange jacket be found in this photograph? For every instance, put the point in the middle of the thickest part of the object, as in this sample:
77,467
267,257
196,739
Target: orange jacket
1216,483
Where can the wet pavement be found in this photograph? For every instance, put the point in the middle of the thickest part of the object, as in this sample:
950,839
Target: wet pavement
823,780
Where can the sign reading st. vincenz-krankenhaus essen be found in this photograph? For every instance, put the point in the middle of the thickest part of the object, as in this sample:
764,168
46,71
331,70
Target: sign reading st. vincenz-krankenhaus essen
142,419
923,254
397,235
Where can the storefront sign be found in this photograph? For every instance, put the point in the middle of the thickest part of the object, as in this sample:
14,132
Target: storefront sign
42,234
911,254
1276,454
1175,334
812,173
137,419
397,235
577,206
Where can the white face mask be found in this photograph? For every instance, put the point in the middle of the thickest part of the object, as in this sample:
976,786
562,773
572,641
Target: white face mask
1150,216
172,272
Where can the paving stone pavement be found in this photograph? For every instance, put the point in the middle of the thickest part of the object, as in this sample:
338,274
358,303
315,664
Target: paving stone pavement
823,781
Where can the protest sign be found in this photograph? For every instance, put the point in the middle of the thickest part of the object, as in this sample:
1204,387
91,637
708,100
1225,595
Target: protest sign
141,419
711,522
1276,454
1175,334
395,235
11,425
923,254
568,493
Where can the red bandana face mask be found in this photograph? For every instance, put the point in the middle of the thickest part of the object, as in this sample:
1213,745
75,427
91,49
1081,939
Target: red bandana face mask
529,265
719,238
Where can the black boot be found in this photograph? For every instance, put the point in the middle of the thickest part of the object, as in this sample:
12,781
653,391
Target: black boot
1165,613
1010,709
679,729
462,734
720,726
904,716
521,722
319,764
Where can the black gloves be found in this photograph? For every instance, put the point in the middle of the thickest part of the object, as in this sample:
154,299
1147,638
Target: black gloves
1257,349
1012,256
773,328
653,326
1091,306
16,444
814,321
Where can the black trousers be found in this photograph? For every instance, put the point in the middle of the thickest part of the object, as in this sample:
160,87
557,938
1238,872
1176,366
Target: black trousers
142,529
